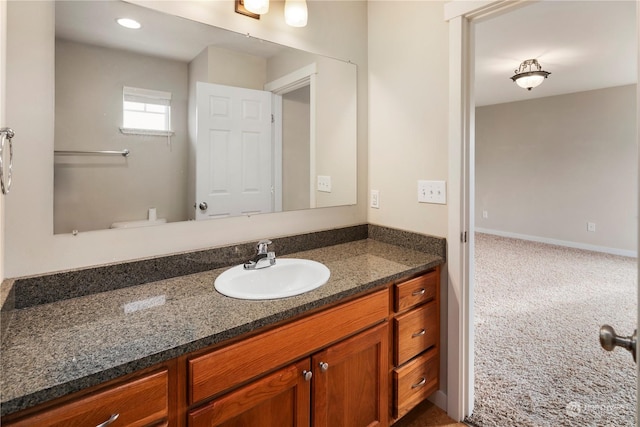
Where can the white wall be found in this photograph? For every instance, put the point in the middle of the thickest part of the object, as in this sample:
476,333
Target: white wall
547,166
31,247
92,192
408,99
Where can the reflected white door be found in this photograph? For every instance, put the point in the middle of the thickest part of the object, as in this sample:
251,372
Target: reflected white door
233,151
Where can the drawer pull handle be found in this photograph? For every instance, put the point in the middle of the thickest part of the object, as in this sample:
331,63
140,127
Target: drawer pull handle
109,421
419,334
418,293
422,382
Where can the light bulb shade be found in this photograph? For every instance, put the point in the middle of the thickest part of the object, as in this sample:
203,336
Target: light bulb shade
259,7
295,12
528,77
531,79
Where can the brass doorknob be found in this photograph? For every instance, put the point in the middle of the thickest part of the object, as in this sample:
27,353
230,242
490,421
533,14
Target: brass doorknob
609,340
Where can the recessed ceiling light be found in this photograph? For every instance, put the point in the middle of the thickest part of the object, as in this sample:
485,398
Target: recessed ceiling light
129,23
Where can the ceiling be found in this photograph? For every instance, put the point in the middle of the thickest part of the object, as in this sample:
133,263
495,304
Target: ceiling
94,22
585,45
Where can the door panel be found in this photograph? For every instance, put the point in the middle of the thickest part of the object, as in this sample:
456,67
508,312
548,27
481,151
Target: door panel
233,151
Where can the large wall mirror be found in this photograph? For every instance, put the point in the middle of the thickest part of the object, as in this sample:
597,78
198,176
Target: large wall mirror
179,121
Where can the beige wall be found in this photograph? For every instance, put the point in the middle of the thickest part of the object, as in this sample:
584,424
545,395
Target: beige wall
408,111
3,123
31,246
92,192
546,167
231,68
295,149
408,124
335,154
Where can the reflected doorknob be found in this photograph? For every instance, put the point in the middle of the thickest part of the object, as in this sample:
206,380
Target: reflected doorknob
609,340
203,206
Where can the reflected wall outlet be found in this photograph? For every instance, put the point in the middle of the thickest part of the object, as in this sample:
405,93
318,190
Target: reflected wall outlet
432,192
485,214
324,184
375,199
591,227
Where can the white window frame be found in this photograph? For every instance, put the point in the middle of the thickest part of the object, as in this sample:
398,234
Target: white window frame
147,96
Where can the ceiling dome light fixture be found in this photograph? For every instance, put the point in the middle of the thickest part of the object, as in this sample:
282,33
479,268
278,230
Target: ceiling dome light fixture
129,23
295,13
529,74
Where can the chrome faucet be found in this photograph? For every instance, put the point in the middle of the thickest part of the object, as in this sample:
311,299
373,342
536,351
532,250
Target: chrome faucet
264,258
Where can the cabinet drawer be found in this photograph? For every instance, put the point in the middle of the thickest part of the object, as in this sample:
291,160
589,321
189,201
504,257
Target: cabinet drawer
415,331
415,291
138,402
222,369
414,382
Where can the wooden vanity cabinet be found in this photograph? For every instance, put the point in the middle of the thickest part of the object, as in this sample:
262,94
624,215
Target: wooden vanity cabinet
338,386
415,321
335,363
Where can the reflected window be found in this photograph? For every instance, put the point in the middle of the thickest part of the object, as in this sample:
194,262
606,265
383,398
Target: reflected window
145,110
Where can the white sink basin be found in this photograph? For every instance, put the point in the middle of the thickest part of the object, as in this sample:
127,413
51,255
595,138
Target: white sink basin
286,278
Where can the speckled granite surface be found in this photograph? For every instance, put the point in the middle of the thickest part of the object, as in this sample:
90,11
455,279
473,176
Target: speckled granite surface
72,284
54,349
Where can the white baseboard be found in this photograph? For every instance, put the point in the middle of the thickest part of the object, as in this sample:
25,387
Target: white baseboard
439,398
576,245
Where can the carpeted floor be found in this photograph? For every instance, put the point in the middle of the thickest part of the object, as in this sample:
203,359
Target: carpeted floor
538,310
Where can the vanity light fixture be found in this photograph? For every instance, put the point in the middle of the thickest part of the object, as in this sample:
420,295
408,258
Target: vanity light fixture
129,23
295,13
530,74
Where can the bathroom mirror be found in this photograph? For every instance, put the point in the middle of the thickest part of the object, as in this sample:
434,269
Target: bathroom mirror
178,121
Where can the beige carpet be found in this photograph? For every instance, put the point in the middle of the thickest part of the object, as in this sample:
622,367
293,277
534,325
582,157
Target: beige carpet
538,310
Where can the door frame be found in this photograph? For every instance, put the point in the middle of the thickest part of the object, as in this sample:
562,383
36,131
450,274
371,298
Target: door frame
305,76
461,16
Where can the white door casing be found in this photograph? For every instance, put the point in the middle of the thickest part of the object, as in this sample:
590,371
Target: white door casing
305,76
233,152
461,15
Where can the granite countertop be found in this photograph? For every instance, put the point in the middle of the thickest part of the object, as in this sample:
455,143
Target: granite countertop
53,349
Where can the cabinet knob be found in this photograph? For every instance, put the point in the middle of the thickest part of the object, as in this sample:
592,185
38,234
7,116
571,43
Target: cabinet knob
110,421
307,375
324,366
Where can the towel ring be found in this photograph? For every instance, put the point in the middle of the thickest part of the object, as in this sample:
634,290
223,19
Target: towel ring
6,134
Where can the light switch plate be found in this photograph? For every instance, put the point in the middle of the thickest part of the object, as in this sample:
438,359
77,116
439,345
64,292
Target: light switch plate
432,192
324,183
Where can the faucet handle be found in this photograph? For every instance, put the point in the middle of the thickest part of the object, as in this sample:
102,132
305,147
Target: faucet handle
262,246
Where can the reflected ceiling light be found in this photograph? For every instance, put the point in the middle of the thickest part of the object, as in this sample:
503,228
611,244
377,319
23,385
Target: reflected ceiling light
295,13
259,7
129,23
529,74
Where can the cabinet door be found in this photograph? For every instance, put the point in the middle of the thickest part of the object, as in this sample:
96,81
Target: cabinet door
280,399
350,381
